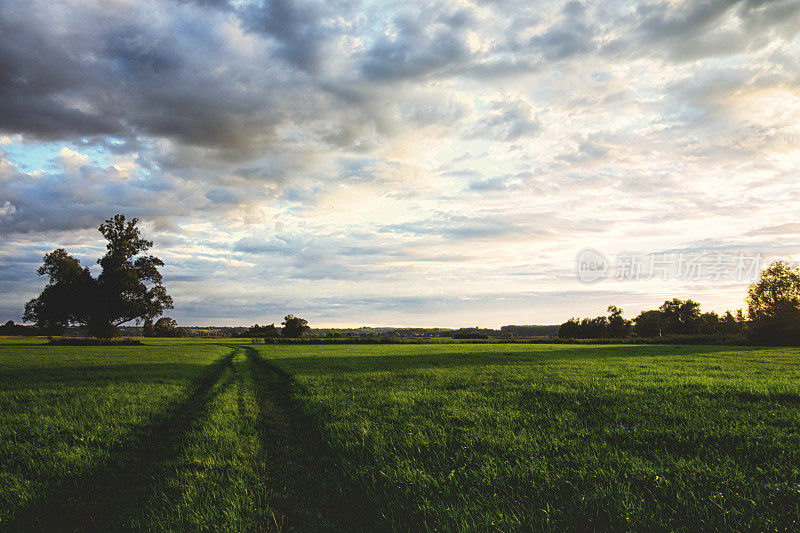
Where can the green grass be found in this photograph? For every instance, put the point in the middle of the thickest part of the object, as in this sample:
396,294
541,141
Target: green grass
199,435
68,415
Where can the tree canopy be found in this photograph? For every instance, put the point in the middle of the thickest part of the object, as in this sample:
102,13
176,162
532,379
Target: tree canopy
650,323
167,327
67,298
612,326
129,286
773,303
294,326
264,332
680,316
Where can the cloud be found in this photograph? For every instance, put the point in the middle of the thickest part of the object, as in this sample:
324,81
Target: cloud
506,122
314,155
693,30
78,194
586,151
501,183
297,26
457,227
570,37
224,195
789,228
414,47
159,77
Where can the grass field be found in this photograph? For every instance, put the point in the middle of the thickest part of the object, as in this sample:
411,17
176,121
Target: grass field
220,435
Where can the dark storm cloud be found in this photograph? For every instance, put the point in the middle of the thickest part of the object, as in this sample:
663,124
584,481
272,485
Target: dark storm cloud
35,69
124,72
297,26
225,195
73,70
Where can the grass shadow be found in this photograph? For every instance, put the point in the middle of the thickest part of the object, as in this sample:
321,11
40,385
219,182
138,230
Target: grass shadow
307,488
102,497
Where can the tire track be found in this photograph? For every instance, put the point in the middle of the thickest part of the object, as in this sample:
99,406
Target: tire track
307,490
104,495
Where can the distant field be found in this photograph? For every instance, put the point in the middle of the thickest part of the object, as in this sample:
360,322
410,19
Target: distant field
192,434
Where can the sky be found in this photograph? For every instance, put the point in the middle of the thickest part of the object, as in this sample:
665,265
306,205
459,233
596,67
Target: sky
444,164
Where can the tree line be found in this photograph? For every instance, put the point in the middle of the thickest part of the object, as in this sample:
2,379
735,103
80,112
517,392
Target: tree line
773,315
673,317
293,327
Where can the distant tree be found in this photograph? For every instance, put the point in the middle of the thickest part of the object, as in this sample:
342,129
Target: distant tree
10,328
680,316
147,329
129,286
166,327
530,330
708,323
730,324
264,332
650,323
594,328
570,329
471,333
618,327
294,326
270,331
590,328
773,304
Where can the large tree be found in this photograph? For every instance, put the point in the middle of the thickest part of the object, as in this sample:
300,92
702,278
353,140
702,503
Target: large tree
294,326
773,303
618,327
166,327
129,286
680,316
650,323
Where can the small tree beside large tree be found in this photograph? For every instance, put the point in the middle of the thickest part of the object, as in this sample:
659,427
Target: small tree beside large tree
129,286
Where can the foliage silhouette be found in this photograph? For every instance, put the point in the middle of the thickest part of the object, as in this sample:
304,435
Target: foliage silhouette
129,286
